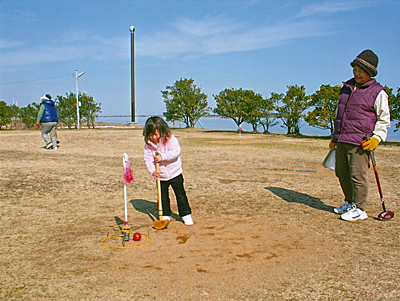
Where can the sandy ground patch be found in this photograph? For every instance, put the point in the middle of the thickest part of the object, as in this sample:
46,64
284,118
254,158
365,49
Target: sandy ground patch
262,205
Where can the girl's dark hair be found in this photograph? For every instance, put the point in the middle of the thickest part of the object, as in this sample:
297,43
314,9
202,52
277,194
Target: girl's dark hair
156,123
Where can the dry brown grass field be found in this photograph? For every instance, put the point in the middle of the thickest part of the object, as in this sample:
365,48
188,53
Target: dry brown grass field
262,206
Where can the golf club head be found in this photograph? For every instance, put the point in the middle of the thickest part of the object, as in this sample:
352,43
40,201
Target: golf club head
386,215
160,224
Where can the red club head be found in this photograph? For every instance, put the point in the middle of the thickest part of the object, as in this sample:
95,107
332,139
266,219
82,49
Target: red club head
386,215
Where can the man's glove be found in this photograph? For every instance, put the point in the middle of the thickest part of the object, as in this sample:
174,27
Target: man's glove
332,145
38,124
370,145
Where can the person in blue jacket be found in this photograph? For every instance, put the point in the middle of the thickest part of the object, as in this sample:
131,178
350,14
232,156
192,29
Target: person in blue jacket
48,118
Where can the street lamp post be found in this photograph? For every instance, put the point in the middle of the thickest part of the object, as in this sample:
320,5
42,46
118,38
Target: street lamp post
77,98
133,110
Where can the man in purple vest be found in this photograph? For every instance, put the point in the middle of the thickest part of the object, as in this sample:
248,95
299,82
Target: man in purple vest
363,109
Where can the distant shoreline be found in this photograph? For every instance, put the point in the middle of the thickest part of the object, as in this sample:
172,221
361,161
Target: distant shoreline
215,122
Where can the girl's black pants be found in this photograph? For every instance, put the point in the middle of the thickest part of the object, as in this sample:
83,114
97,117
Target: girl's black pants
180,194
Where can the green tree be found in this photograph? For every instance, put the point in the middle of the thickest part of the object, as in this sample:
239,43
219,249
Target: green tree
185,102
324,101
14,115
89,109
394,105
5,114
252,108
268,117
66,109
243,106
29,114
231,104
294,103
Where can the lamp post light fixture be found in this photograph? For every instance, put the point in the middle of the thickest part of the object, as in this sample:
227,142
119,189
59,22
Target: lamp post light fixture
133,110
77,98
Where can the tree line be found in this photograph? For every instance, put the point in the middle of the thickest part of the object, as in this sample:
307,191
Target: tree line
186,103
66,108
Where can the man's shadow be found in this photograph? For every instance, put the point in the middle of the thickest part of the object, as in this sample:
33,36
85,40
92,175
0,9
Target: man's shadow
292,196
150,209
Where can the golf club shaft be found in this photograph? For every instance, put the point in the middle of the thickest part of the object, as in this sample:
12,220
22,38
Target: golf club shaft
377,179
385,215
160,210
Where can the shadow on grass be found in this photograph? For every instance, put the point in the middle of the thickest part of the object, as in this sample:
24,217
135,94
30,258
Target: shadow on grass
292,196
149,208
119,221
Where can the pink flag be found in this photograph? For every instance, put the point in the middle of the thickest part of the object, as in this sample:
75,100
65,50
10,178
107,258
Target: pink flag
128,174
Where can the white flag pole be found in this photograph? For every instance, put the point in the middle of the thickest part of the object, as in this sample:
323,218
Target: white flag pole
126,203
126,207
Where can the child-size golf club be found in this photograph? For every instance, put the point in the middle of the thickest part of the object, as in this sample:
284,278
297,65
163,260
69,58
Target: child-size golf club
160,223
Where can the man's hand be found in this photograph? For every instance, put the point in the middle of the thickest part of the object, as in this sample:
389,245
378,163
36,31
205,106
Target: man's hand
370,145
332,145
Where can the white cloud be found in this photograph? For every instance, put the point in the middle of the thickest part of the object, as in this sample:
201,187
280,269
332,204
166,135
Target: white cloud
215,36
72,45
39,55
4,44
248,3
329,7
185,38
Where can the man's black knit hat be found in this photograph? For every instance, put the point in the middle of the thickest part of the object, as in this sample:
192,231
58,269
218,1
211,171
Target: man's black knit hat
368,61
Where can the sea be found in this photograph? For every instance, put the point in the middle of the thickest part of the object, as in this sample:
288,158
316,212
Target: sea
218,123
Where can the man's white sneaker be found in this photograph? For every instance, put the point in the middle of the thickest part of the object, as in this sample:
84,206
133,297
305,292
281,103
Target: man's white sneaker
166,217
354,214
344,208
187,220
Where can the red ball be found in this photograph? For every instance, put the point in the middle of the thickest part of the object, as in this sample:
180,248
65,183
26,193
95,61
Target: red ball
137,236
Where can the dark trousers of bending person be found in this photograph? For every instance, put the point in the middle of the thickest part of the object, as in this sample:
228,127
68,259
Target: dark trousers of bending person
180,194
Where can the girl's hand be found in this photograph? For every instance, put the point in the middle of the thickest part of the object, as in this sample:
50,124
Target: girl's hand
157,158
156,174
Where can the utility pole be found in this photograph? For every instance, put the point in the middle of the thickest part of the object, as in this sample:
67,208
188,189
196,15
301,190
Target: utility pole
77,98
133,108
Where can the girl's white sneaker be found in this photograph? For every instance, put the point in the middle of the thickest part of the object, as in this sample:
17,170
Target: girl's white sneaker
187,220
166,217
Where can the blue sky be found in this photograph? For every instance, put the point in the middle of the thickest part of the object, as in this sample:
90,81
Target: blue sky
253,44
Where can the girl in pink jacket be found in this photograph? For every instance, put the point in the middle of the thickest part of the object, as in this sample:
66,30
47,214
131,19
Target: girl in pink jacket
162,147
